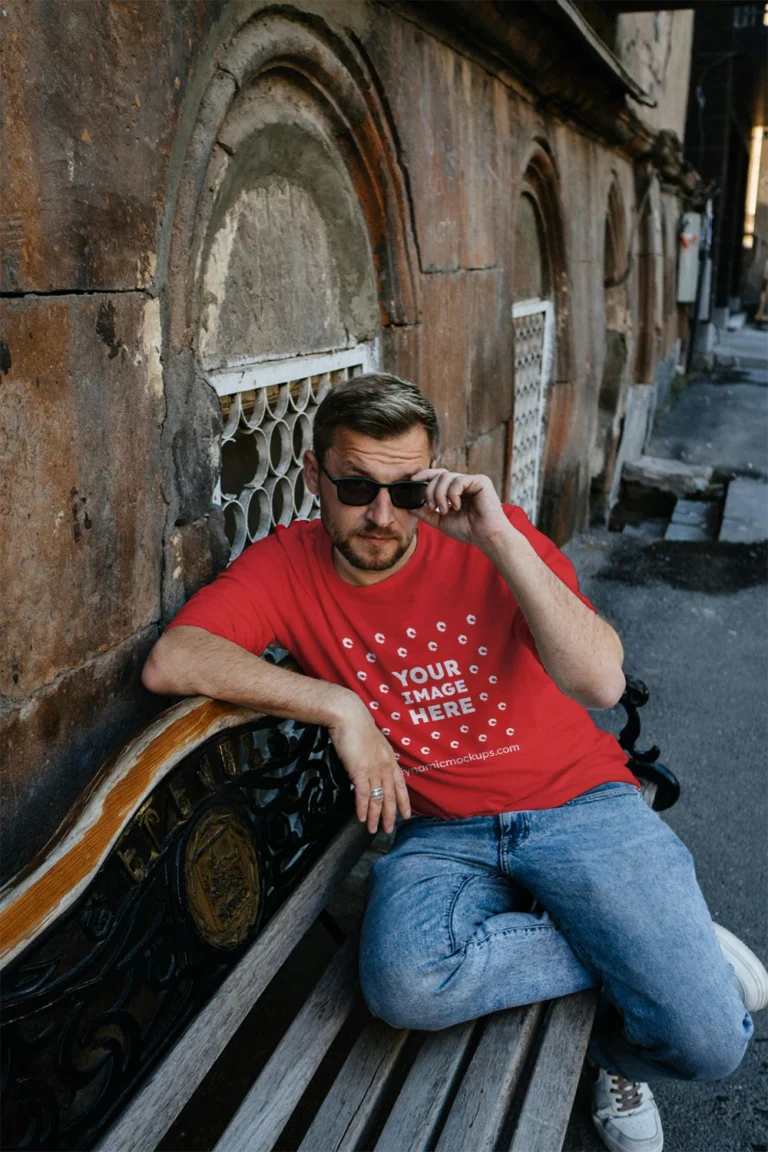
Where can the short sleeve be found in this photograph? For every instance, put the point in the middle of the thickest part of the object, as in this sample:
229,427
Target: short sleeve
241,604
555,560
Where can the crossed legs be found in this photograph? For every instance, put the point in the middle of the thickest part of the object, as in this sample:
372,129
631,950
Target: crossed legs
449,935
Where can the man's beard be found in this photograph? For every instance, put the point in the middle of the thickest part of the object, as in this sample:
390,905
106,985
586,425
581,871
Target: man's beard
367,561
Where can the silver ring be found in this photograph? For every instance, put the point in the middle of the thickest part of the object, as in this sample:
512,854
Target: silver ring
376,793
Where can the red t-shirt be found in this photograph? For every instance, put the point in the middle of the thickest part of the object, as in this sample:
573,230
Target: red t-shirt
441,654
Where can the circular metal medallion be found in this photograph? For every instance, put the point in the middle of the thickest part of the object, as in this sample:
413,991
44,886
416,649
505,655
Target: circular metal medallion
221,876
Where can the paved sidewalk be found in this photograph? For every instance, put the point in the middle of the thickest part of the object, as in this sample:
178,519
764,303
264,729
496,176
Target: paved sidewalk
745,348
692,616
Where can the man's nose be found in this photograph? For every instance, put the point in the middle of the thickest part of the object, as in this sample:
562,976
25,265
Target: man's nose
380,511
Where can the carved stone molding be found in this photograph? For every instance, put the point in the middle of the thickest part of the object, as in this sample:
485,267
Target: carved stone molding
333,87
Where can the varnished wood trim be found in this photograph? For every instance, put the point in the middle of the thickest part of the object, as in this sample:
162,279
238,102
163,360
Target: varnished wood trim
55,879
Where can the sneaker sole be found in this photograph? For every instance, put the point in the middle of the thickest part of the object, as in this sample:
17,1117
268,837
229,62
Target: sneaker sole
630,1145
750,971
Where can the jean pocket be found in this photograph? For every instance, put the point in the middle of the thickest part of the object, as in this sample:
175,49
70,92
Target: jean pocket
604,792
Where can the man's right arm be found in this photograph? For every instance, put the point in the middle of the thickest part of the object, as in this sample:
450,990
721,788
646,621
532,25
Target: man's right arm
188,661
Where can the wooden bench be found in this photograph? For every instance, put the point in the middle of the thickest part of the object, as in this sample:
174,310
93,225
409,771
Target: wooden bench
139,941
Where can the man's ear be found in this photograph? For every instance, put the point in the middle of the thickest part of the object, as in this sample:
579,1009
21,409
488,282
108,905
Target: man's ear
311,472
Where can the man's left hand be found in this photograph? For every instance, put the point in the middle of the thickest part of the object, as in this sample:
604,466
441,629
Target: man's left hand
466,508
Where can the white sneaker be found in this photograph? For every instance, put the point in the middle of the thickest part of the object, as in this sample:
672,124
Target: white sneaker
625,1114
750,974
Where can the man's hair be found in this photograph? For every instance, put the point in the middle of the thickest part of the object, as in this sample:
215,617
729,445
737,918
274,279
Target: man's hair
376,405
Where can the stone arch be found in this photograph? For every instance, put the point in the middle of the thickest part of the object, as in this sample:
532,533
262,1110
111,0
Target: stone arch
540,184
617,346
329,78
289,135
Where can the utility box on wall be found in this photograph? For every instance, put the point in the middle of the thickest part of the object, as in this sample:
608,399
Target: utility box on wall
691,228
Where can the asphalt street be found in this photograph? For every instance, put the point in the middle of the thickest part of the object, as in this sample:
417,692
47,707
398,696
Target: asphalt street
692,617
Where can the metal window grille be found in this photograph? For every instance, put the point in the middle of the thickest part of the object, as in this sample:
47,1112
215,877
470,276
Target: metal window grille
268,409
533,321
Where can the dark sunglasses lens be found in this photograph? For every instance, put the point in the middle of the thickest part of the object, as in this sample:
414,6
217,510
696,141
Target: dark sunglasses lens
407,495
357,492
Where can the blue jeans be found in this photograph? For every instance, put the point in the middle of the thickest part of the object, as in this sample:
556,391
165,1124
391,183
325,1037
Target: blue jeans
449,934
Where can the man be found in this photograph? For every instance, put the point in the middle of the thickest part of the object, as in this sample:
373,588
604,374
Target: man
452,658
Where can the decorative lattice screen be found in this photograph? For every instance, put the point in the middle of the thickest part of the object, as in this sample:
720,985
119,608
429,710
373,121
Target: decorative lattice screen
268,411
533,323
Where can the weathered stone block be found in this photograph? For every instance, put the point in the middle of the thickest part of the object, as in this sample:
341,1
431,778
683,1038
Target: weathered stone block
466,363
747,500
489,350
194,555
677,531
81,503
453,121
90,105
443,353
692,513
673,476
400,351
51,746
746,511
488,455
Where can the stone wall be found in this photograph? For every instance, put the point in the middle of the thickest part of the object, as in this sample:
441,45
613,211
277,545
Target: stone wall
655,47
150,148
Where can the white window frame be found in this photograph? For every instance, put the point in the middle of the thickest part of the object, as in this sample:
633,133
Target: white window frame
266,373
262,373
529,308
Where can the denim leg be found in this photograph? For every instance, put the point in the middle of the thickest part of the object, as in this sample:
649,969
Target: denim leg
622,887
448,937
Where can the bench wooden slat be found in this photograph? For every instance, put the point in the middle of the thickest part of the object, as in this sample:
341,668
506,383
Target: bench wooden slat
155,1106
417,1110
480,1108
346,1112
277,1090
546,1110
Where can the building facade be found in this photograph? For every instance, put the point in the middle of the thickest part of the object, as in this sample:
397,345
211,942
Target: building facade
212,211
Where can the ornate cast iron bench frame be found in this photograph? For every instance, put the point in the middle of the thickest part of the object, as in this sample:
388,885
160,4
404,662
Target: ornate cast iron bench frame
134,946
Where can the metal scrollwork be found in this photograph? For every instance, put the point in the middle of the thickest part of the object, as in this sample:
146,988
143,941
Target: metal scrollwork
92,1005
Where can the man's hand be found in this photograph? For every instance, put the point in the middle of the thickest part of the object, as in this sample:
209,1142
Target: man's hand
370,763
579,650
188,660
466,508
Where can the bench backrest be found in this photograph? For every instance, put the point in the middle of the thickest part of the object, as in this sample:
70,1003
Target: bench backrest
160,910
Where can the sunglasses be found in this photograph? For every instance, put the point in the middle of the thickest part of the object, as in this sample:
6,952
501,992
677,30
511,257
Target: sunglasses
357,491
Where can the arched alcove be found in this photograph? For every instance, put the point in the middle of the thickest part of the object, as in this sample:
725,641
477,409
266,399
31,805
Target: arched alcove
542,344
290,250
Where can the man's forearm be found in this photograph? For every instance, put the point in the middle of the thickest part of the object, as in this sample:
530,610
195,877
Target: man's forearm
579,650
190,661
